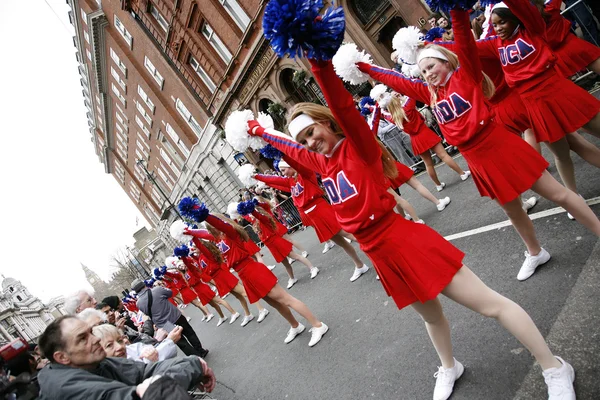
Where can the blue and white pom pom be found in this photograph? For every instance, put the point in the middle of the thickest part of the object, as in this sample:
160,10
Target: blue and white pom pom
434,33
448,5
246,207
246,174
181,251
271,152
171,262
407,42
344,63
295,28
378,91
191,207
177,231
236,129
232,210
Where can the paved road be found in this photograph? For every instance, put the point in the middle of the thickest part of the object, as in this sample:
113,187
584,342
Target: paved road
375,351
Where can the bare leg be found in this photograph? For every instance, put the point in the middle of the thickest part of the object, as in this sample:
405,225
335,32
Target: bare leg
303,260
259,258
529,137
595,66
426,157
340,241
288,268
242,301
216,307
283,297
294,243
549,188
224,303
403,205
438,329
239,288
468,290
446,159
584,149
422,190
347,235
523,225
283,310
564,163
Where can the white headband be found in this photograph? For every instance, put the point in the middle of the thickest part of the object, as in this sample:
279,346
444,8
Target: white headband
499,5
429,52
299,123
283,164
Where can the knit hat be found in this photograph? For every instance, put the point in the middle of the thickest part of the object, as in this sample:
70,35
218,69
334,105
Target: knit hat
112,301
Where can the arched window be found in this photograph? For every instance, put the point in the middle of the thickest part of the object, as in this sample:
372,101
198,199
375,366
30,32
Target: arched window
306,90
366,10
19,298
275,110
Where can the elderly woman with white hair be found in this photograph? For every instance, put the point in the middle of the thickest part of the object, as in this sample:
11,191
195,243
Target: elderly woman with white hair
116,344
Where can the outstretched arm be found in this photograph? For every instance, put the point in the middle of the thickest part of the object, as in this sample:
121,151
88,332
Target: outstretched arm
276,182
402,84
465,45
226,228
529,15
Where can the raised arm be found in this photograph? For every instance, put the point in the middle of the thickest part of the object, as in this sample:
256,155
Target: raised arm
342,107
226,228
306,173
486,48
529,15
276,182
465,45
402,84
376,117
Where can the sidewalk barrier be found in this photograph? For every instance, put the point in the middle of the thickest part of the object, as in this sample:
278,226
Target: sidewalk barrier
253,235
287,213
575,9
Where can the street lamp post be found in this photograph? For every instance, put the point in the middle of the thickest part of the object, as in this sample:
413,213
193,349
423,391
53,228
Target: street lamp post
152,179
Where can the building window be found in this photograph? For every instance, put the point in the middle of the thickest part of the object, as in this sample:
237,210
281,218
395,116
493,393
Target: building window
144,113
169,162
187,115
118,94
175,137
121,28
159,18
117,78
154,72
89,54
142,126
236,13
165,178
118,61
202,74
216,42
146,99
143,146
86,36
84,16
19,297
122,112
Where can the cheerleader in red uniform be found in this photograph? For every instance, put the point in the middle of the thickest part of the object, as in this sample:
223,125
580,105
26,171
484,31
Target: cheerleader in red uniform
271,234
415,263
422,139
281,229
308,198
174,283
259,282
185,293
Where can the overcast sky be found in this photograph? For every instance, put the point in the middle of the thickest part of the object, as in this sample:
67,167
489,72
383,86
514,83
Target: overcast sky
59,208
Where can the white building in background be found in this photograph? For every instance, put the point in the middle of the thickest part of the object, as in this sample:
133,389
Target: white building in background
22,315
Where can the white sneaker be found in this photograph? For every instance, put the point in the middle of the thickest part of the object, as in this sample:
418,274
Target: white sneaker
407,217
313,272
377,277
202,320
347,240
317,334
328,246
271,267
291,260
221,320
420,222
445,378
358,272
443,203
466,175
572,218
531,263
305,254
529,203
247,319
209,317
560,381
262,315
188,319
234,317
293,332
441,187
291,282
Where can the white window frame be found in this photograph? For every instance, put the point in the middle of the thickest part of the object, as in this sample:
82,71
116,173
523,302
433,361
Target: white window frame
236,13
203,74
170,163
119,118
118,79
88,53
142,140
146,99
117,60
84,16
177,140
189,118
122,113
154,72
159,18
165,178
142,126
115,90
216,42
123,31
86,36
143,148
144,113
156,196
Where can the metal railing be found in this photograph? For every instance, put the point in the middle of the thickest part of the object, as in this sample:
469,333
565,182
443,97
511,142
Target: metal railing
575,9
287,213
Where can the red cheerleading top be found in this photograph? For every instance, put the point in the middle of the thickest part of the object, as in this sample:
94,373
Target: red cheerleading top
176,280
414,122
353,173
557,27
232,246
461,108
208,262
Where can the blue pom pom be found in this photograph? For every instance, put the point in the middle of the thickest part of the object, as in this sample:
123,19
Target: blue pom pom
271,152
246,207
365,112
485,3
447,5
194,226
191,207
163,270
156,272
149,282
366,100
295,28
276,165
181,251
434,33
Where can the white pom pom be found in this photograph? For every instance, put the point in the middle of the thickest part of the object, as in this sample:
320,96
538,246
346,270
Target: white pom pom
412,71
177,230
265,120
232,210
261,185
406,42
378,91
171,262
246,173
385,100
236,129
344,63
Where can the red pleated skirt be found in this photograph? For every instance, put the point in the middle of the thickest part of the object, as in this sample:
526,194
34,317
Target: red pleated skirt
306,221
188,295
224,281
256,278
502,164
279,247
557,106
204,292
423,140
323,219
251,247
413,261
510,112
574,55
281,228
404,174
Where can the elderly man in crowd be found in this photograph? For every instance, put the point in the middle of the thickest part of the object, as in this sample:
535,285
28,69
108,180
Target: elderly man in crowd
79,301
80,370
